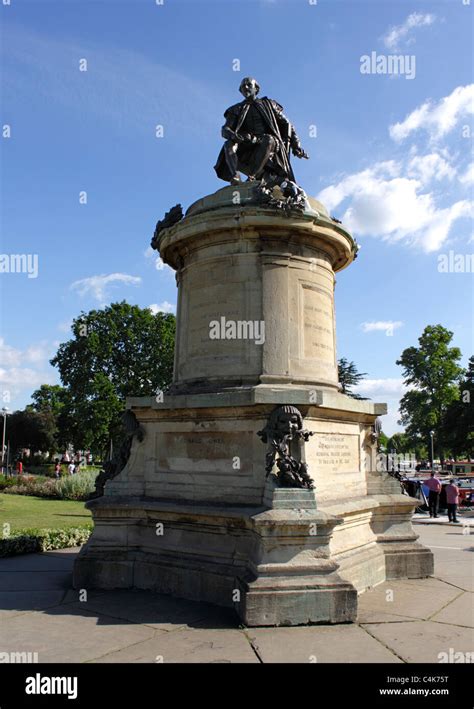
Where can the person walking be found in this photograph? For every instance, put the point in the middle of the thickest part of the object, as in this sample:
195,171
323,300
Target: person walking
70,468
57,469
434,487
452,499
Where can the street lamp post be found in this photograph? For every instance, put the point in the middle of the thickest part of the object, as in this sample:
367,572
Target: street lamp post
432,451
4,414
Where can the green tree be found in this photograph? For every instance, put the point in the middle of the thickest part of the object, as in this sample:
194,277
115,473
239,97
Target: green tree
382,442
120,351
400,443
349,377
31,429
458,422
49,397
53,399
433,373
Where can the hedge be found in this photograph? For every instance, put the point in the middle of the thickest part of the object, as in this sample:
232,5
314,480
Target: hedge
30,541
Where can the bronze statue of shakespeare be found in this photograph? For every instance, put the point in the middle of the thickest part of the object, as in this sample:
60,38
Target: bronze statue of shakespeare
259,139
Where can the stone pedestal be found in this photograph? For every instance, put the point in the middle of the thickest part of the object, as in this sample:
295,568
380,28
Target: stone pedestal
193,513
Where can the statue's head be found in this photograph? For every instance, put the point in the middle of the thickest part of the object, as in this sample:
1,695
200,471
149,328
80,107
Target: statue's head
249,87
286,420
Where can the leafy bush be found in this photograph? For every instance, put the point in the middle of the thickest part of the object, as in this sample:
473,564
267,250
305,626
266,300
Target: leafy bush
72,487
47,469
30,541
30,486
76,487
7,482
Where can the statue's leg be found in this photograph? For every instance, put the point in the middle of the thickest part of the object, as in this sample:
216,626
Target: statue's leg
230,152
263,152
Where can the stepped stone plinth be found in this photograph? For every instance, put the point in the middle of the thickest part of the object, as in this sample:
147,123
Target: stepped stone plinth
199,511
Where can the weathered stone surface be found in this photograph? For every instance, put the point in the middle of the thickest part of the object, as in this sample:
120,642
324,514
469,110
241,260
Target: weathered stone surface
461,608
199,645
158,611
419,641
251,264
319,645
412,600
191,514
49,634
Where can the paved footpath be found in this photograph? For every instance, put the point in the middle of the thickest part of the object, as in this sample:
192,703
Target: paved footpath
399,621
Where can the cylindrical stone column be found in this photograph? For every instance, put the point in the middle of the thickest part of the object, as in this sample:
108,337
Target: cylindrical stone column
256,292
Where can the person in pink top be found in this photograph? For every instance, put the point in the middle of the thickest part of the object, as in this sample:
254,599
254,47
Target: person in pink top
452,500
434,486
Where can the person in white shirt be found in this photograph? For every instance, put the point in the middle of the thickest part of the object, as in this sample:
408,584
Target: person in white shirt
71,468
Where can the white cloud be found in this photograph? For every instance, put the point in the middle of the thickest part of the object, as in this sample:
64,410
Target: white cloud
467,178
429,167
437,119
375,388
387,391
386,203
17,378
160,265
404,32
97,286
10,356
387,326
163,307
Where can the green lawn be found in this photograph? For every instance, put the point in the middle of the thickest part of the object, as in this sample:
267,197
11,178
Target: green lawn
22,511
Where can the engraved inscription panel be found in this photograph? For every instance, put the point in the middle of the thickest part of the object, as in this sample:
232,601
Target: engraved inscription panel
318,325
203,453
334,453
207,304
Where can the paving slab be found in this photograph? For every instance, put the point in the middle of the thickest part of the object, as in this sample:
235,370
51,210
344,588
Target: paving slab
418,600
453,573
425,617
65,635
319,643
16,602
458,612
34,581
198,645
60,560
422,641
376,616
444,521
157,610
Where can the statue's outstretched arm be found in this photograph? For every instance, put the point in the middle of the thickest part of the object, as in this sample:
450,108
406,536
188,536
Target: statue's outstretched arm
288,129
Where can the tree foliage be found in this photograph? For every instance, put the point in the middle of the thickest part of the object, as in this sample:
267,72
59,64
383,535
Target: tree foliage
31,429
458,423
349,377
120,351
432,372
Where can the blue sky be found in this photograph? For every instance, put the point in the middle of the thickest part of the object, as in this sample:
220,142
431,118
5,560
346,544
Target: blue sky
391,158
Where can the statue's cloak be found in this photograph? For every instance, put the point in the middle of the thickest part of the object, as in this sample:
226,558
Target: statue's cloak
276,125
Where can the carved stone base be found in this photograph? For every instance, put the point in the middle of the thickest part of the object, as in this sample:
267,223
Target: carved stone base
192,512
175,519
272,566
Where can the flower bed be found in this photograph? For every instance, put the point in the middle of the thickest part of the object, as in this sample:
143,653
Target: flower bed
30,541
73,487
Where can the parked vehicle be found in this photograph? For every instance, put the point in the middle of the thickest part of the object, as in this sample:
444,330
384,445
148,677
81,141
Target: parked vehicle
459,468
